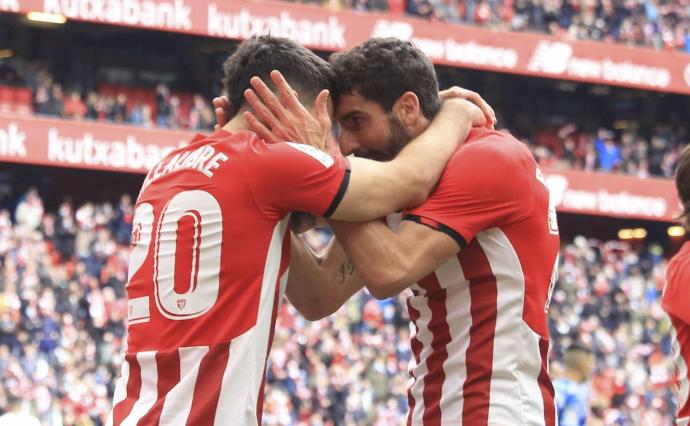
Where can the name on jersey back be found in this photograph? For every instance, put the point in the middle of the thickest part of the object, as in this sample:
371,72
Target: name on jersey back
205,160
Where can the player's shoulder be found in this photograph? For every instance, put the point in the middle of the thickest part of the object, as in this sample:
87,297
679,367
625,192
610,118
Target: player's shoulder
483,144
491,153
290,154
482,140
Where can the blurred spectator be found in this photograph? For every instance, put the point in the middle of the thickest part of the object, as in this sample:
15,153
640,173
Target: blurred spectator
201,115
119,110
15,415
75,107
42,94
174,116
29,211
92,106
608,152
55,105
163,107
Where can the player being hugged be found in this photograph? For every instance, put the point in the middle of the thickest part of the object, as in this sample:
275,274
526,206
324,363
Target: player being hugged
480,254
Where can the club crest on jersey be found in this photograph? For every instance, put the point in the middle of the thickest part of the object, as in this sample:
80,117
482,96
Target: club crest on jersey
181,303
318,155
136,234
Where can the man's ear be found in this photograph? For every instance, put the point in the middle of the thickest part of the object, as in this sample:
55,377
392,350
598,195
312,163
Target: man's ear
406,107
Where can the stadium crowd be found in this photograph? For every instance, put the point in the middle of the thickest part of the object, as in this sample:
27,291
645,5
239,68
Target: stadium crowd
629,151
62,310
626,152
662,24
157,107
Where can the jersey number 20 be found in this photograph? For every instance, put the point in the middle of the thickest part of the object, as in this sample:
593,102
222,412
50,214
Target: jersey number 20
189,229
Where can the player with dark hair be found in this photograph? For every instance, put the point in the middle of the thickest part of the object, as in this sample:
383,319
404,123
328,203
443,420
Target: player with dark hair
480,254
676,297
210,246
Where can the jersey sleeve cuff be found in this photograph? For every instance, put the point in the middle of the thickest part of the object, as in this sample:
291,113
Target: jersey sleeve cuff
438,226
340,194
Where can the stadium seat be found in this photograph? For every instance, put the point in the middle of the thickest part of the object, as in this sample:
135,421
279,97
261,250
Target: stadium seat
6,99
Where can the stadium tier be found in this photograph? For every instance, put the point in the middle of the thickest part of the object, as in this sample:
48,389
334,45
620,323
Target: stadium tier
93,94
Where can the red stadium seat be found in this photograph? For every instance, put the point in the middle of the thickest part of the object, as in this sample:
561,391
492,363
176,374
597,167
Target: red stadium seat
23,101
6,99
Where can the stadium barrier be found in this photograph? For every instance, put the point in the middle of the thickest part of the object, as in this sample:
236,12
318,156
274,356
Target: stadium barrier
91,145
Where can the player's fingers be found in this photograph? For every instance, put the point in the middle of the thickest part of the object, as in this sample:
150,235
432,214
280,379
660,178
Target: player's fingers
220,117
258,127
225,102
473,97
261,110
287,94
322,110
269,98
476,99
453,92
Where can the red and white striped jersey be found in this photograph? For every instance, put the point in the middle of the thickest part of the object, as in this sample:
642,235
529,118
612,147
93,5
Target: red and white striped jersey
675,301
207,271
481,338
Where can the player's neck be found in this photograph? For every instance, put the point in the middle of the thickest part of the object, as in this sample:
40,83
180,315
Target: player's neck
236,124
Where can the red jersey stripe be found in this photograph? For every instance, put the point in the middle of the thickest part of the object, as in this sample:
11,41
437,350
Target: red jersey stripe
438,326
483,310
545,385
416,352
168,361
122,410
208,384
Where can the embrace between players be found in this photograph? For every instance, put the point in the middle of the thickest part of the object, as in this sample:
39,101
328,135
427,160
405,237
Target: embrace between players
215,250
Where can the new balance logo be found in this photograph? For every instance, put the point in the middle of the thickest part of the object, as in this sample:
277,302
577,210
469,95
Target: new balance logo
550,57
397,29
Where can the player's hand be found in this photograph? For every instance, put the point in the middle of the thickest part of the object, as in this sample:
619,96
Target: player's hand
286,119
221,107
473,97
468,109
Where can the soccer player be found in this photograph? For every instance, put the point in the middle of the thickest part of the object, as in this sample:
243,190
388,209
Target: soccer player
572,390
676,297
480,254
210,247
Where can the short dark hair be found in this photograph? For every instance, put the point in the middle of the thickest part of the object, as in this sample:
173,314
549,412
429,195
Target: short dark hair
382,69
683,185
258,56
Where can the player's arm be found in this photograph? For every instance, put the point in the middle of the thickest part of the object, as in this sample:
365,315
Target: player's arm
389,262
470,197
319,287
373,189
